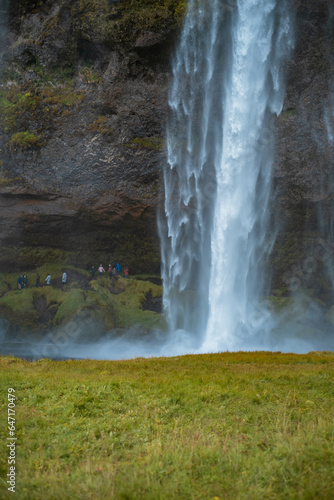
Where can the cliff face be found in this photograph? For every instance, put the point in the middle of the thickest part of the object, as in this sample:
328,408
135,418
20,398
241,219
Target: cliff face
304,164
84,105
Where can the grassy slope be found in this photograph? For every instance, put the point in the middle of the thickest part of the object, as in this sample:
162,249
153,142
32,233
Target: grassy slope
122,309
223,426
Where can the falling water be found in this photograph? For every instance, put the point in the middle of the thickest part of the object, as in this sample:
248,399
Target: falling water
226,89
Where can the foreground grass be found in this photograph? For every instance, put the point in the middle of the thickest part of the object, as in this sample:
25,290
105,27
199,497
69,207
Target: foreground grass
220,426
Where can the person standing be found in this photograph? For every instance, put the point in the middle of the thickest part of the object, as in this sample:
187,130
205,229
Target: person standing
48,279
110,271
93,272
118,268
64,278
37,280
25,281
101,270
126,272
19,283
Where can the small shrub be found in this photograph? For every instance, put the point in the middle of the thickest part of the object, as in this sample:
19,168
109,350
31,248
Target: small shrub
89,75
100,125
24,140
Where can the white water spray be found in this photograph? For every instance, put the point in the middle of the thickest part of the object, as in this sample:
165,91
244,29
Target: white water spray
227,87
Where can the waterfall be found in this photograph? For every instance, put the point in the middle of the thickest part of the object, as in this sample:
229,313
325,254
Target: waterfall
225,92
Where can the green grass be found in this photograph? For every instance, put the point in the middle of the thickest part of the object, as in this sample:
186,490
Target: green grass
221,426
114,305
128,304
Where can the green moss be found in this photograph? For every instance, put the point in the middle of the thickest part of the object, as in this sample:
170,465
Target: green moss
128,311
17,306
101,301
5,180
100,125
280,302
24,140
147,142
27,104
90,76
3,287
64,96
289,113
20,306
71,304
128,20
51,295
114,304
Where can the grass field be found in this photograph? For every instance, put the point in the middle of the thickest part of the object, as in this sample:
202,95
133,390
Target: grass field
218,426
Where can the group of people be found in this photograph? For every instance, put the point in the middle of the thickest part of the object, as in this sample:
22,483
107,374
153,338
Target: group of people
113,271
22,281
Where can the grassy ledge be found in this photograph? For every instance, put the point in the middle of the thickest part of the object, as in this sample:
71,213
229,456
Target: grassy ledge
115,303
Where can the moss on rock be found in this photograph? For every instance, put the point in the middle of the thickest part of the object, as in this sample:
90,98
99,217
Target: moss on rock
24,140
128,304
111,303
128,21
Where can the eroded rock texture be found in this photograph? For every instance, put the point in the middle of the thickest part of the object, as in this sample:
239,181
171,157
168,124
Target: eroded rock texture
84,107
304,162
84,103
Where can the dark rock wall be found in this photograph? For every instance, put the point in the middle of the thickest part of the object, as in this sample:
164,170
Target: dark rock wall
88,81
84,103
304,164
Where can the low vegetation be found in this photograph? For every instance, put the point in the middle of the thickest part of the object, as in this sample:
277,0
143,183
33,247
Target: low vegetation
113,303
220,426
23,108
147,142
24,140
128,20
100,126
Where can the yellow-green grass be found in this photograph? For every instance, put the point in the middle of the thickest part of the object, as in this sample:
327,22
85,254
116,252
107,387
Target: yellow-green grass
117,304
224,426
128,304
